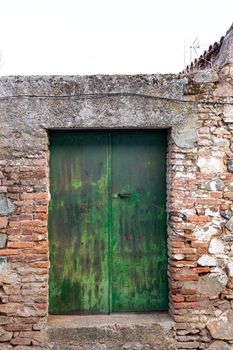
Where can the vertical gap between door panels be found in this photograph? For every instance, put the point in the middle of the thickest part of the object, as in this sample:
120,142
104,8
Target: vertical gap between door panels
109,175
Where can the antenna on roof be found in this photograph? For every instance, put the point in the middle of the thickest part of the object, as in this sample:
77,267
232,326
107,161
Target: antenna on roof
193,49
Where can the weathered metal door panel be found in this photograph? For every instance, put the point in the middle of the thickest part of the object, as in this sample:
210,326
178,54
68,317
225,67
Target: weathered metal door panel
107,222
79,223
139,277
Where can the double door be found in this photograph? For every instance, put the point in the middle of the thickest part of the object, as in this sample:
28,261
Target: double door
107,222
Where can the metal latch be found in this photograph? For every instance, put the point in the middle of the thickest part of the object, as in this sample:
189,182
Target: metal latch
124,195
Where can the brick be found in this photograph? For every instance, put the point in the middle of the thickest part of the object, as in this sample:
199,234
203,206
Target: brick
41,216
183,251
42,209
33,168
228,195
17,327
208,201
187,291
191,298
188,305
3,221
20,245
203,269
21,341
188,277
184,263
43,195
42,265
177,298
177,244
199,245
10,252
30,223
198,218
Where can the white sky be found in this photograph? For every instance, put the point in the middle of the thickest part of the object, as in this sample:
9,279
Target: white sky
106,36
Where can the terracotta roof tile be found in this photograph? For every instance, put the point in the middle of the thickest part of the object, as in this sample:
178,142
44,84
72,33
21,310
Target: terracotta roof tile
208,58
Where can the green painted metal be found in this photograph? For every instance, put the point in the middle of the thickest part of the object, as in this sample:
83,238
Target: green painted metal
79,223
107,222
139,253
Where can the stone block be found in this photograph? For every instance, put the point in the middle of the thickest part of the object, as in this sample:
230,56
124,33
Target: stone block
204,234
207,260
228,114
3,222
15,309
3,239
4,335
216,246
230,165
7,275
230,268
185,135
210,164
206,76
229,224
218,345
6,206
214,185
221,328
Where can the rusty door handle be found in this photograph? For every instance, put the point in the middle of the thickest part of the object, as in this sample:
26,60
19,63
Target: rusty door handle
124,195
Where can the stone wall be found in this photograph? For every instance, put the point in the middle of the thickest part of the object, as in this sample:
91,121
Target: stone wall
197,108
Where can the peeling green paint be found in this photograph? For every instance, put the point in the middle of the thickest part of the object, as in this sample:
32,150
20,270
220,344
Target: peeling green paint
107,252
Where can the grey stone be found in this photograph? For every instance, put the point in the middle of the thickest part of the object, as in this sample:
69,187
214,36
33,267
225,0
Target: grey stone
216,246
214,185
132,335
7,347
3,239
140,101
227,238
210,164
230,268
207,260
219,275
4,320
95,346
7,275
228,114
226,214
3,261
4,335
206,76
221,328
6,206
230,165
205,234
229,224
185,135
218,345
210,285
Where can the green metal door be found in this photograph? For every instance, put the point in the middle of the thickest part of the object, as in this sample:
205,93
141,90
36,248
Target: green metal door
107,222
79,223
139,221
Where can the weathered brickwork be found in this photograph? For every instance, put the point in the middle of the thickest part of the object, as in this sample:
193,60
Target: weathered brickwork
197,109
